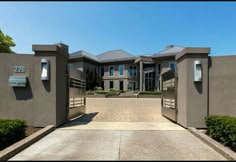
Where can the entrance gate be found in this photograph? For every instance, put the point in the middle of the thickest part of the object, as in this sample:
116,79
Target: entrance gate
76,94
169,95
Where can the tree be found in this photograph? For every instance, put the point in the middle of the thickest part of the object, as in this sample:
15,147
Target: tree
92,79
87,80
6,43
96,78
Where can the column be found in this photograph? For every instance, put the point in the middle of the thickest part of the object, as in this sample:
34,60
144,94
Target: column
141,76
192,96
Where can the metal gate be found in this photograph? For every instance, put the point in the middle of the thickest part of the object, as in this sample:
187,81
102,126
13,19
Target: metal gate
169,95
77,99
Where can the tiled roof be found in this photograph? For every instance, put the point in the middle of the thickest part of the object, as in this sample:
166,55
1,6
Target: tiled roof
172,51
114,55
121,55
82,53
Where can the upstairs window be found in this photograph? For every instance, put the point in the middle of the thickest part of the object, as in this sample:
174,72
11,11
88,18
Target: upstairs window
172,65
111,71
102,71
132,71
121,70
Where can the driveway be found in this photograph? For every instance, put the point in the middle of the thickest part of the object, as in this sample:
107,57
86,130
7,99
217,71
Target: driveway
120,129
123,110
122,114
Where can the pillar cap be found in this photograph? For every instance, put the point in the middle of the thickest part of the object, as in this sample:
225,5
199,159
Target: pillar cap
193,51
59,48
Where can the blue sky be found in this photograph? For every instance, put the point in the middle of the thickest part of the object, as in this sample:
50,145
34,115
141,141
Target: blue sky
136,27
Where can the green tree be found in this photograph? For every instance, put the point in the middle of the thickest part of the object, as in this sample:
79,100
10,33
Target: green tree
92,79
6,43
96,79
87,80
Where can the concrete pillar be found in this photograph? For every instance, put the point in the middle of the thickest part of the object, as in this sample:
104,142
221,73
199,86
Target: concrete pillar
51,96
141,76
192,97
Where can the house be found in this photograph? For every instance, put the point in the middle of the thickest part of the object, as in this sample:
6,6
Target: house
121,70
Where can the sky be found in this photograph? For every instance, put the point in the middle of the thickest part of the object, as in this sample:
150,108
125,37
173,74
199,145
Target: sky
136,27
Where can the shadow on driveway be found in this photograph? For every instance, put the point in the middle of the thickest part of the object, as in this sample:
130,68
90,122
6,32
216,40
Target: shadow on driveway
80,120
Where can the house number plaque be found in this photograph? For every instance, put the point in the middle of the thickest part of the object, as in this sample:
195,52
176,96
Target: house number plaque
19,69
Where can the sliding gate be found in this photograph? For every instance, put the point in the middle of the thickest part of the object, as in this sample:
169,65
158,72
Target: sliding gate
169,95
76,94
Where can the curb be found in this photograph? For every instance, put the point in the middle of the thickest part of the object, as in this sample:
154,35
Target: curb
12,150
218,147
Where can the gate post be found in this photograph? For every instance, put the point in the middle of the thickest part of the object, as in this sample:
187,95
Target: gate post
51,95
192,95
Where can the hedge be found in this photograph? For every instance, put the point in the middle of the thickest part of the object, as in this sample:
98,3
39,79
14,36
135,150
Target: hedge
11,131
222,129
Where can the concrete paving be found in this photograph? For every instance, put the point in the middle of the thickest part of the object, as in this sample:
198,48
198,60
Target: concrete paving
119,145
122,126
120,129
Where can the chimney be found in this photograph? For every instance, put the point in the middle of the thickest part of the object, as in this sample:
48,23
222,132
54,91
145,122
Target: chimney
169,46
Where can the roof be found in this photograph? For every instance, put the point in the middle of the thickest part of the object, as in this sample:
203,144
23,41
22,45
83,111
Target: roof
114,55
121,55
172,51
82,53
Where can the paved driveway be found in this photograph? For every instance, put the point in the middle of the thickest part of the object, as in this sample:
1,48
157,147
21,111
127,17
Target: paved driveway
120,129
123,110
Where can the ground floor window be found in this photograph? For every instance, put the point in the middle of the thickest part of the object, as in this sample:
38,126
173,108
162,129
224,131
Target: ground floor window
132,86
121,85
111,85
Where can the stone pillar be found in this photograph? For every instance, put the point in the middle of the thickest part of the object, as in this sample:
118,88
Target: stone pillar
51,96
141,76
192,97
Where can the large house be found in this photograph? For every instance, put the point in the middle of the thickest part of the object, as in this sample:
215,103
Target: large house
121,70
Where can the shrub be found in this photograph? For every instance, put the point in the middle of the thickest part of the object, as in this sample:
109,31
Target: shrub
11,131
222,129
150,93
112,90
98,88
90,93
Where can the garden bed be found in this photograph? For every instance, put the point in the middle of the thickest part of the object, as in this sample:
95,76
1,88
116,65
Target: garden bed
12,131
31,130
150,93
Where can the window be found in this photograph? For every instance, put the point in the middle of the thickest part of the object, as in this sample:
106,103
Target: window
111,71
159,68
121,85
172,65
132,71
111,84
132,86
121,70
102,71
